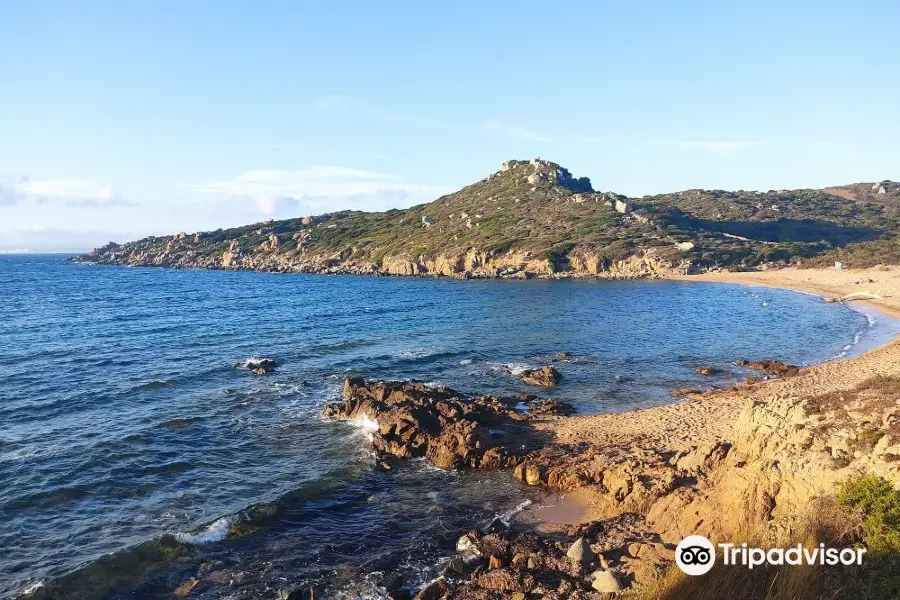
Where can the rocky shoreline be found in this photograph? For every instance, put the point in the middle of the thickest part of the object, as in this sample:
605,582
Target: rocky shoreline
619,549
752,460
471,265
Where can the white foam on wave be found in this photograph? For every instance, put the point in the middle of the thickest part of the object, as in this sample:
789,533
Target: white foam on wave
512,368
505,517
466,361
366,424
253,360
417,353
214,532
33,588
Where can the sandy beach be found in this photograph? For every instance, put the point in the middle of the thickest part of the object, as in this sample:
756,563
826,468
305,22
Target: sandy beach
722,417
711,418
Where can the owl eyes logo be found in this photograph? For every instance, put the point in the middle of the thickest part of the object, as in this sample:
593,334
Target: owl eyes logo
695,555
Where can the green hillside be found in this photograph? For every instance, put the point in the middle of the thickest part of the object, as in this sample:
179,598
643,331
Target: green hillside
533,218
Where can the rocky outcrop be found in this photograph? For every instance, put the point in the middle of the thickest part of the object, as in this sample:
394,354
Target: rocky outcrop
440,425
604,557
260,366
546,376
773,368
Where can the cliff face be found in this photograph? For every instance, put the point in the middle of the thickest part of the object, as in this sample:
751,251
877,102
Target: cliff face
530,219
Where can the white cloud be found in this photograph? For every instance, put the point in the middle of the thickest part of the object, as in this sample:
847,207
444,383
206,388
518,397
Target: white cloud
317,188
71,192
516,132
715,146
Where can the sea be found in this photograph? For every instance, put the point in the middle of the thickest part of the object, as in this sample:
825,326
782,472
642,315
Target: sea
137,452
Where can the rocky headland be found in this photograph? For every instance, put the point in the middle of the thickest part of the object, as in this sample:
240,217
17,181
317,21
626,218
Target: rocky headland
534,219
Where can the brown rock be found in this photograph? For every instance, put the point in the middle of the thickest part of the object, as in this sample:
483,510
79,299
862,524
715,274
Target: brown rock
185,588
436,423
435,590
774,368
505,580
546,376
606,582
260,366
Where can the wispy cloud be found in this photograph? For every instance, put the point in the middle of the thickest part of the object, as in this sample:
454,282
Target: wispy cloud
341,102
331,101
732,146
66,191
516,132
317,188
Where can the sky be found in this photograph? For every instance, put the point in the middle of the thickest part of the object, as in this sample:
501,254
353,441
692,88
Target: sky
125,119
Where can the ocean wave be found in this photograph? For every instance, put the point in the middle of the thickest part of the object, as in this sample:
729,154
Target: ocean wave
507,516
214,532
153,385
513,368
252,360
32,588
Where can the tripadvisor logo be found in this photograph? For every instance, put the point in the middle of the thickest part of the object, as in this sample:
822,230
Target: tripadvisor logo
696,555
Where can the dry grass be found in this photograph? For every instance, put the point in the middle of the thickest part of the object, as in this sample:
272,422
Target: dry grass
826,522
866,512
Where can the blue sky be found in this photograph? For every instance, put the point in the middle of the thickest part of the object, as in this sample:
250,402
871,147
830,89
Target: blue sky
123,119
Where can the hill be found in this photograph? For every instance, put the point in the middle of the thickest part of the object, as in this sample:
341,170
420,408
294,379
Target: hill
534,219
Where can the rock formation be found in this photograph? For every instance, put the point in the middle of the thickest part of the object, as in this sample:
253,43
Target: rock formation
440,425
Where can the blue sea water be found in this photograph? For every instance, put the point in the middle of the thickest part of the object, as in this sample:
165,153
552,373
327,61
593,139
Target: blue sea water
132,441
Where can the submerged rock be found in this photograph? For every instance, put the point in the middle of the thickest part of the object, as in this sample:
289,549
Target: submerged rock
773,368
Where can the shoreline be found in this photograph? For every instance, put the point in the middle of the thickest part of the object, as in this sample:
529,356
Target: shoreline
686,424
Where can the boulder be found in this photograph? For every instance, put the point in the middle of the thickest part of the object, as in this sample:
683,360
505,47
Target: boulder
435,590
580,552
546,376
706,370
435,423
606,582
550,406
260,366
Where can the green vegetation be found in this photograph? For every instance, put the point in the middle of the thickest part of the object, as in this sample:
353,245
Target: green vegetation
538,209
877,503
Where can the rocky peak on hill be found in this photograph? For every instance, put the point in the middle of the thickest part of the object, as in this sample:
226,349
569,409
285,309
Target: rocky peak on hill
537,171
